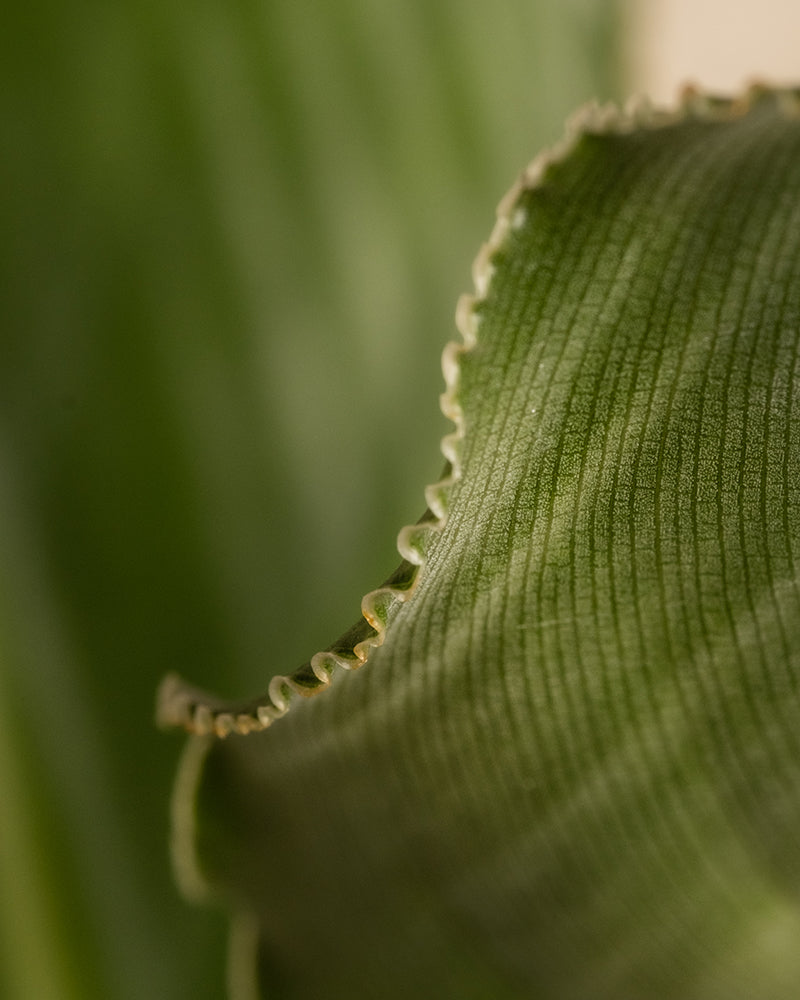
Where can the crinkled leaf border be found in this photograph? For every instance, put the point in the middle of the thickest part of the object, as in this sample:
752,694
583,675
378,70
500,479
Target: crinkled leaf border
181,704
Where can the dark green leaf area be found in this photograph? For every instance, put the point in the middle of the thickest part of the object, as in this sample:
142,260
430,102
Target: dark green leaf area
573,768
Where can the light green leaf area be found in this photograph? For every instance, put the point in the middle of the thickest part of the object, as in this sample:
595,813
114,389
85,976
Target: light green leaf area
570,765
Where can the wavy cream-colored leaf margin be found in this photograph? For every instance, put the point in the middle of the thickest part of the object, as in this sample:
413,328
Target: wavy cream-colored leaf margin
181,704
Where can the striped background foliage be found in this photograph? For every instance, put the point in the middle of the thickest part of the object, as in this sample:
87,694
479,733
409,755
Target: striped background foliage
232,239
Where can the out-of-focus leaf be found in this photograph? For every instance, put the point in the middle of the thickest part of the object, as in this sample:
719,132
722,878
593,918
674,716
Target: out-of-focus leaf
231,238
570,766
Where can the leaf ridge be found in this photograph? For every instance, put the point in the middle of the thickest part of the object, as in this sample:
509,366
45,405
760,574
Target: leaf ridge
181,704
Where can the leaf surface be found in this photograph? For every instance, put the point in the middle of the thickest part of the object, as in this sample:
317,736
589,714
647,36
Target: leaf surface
569,764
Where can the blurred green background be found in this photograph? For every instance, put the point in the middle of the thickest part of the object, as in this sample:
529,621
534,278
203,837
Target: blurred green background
233,236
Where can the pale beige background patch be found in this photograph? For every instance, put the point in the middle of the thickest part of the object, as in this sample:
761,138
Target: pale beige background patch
717,44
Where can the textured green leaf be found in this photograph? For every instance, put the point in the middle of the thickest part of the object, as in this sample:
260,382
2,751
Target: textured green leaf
569,766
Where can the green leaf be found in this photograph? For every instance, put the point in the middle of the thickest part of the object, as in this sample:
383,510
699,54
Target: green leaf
569,765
